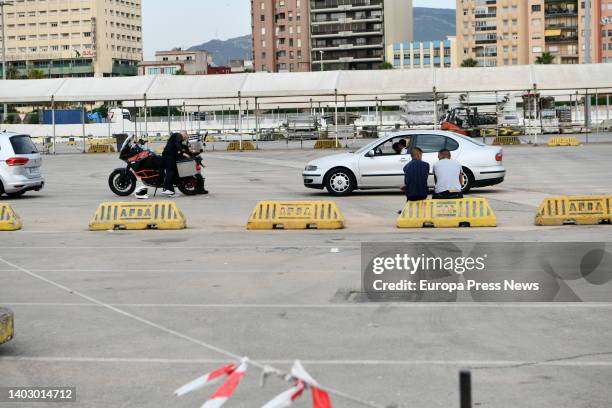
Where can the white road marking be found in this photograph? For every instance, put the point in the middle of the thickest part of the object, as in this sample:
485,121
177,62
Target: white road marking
443,363
408,305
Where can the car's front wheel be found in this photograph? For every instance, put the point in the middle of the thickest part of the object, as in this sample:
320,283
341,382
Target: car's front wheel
340,181
468,180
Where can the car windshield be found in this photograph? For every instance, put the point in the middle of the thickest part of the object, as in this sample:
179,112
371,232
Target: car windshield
370,145
23,145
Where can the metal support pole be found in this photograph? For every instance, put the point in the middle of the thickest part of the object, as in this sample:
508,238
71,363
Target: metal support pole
596,112
336,114
200,121
608,107
146,117
376,113
169,119
240,119
53,121
222,119
248,121
435,114
184,117
465,389
83,126
135,123
587,114
256,124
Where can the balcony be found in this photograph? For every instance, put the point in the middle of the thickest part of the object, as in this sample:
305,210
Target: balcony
352,33
554,13
486,15
561,39
328,20
323,6
343,47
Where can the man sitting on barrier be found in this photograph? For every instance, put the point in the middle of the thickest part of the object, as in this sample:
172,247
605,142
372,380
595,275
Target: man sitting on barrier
416,173
449,177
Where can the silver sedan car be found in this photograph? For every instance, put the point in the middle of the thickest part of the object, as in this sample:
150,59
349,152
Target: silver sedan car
20,165
378,166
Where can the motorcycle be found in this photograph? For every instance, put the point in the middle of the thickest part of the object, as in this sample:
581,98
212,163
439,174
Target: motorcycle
146,165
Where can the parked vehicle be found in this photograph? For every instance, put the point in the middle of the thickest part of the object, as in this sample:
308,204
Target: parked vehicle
378,166
146,165
20,165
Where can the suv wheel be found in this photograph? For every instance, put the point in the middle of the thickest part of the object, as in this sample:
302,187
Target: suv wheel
340,181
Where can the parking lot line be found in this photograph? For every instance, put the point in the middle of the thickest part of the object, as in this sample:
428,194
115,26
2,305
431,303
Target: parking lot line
443,363
125,313
576,305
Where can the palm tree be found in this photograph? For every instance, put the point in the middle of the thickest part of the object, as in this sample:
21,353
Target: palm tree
12,73
36,74
469,63
545,59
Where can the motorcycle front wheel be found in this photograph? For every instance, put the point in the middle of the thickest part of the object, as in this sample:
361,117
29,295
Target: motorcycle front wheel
122,182
191,185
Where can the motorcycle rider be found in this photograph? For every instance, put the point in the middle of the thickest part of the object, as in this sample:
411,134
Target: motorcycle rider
173,152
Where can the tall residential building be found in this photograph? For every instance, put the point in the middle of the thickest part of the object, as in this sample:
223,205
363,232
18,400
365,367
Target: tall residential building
558,27
605,28
354,34
493,32
73,37
281,39
511,32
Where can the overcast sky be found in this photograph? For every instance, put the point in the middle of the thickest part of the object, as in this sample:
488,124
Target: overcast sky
198,21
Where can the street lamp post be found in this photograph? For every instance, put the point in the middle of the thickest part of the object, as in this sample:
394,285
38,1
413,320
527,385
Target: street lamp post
2,4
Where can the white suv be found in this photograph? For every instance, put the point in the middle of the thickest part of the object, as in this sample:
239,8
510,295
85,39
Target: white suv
19,165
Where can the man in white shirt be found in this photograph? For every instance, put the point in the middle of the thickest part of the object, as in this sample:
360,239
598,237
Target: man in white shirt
449,177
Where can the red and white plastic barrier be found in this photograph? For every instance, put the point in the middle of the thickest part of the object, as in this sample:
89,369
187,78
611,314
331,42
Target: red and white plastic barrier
235,374
220,397
206,379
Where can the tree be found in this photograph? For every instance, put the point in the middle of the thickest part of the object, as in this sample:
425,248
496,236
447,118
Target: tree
12,73
180,72
36,74
545,59
385,65
469,63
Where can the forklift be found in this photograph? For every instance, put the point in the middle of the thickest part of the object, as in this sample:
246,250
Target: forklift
467,121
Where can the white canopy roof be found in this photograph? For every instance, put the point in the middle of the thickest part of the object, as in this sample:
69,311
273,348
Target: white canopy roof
318,86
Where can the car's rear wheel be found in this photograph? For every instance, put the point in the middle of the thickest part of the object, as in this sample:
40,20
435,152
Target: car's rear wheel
468,180
340,181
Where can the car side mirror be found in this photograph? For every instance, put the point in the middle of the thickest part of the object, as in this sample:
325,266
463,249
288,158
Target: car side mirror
371,153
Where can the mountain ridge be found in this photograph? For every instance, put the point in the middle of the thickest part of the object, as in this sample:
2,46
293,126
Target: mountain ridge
429,24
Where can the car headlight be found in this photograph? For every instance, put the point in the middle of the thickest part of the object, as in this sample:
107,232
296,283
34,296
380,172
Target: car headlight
311,168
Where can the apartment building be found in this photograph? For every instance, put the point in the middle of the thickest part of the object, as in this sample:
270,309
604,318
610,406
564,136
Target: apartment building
281,38
493,32
354,34
511,32
605,28
73,38
423,54
177,60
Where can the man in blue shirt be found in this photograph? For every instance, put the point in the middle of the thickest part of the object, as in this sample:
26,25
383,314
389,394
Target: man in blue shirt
416,174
